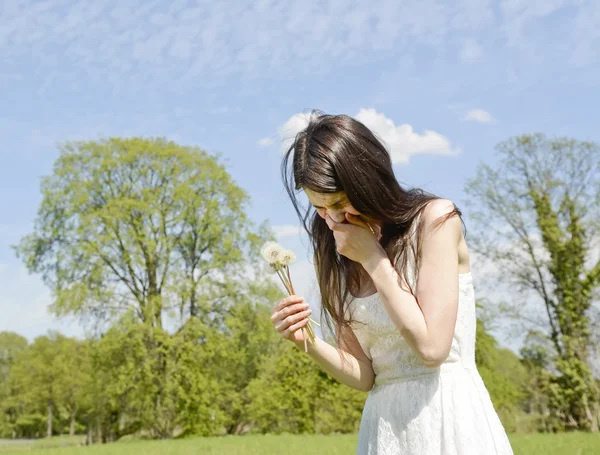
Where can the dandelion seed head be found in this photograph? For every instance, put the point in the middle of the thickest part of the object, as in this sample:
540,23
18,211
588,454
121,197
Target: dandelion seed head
270,252
287,257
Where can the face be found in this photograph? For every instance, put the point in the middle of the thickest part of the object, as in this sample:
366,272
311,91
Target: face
333,204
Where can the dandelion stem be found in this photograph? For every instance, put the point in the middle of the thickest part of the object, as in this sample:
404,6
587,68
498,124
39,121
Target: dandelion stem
290,279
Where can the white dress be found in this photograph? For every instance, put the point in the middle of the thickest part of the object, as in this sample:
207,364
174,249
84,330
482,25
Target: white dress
416,410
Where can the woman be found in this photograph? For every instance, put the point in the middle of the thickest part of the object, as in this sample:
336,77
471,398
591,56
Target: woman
393,271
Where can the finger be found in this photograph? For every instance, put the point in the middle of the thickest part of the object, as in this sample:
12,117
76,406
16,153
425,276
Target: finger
287,311
358,221
291,320
334,226
378,231
285,302
293,328
292,299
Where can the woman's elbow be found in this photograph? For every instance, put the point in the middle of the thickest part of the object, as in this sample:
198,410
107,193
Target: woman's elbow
366,386
435,357
366,381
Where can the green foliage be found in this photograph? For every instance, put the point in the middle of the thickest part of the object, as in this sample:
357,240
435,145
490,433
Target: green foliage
135,232
143,225
504,376
11,344
291,394
46,381
537,212
338,408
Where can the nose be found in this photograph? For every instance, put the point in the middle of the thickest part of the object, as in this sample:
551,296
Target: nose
336,215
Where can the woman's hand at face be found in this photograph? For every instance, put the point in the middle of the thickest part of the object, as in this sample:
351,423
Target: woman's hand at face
357,240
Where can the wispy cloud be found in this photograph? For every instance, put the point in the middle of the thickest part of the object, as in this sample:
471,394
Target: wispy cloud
141,42
286,230
401,140
480,116
265,142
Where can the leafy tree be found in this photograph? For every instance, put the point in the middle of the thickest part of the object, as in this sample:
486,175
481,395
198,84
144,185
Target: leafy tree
537,354
503,374
123,222
283,397
11,344
338,408
38,375
250,340
537,210
138,231
292,394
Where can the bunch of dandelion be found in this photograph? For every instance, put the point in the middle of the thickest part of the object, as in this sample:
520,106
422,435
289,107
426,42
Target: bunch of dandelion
280,259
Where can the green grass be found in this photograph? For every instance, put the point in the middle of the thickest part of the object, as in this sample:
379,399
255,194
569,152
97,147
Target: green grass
37,445
562,444
557,444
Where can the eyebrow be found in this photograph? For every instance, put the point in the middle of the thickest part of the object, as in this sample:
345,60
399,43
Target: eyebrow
335,204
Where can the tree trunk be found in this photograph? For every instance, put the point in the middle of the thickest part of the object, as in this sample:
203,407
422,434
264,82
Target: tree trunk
72,426
49,426
595,417
99,431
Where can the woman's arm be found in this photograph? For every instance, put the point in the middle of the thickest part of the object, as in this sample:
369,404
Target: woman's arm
427,326
355,370
348,364
427,323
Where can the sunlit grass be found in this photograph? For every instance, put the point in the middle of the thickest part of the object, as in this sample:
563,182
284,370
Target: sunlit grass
561,444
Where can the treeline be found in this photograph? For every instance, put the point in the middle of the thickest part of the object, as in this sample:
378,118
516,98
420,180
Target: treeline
152,241
200,381
212,381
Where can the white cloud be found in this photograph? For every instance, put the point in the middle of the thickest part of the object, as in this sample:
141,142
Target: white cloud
293,126
287,230
480,116
401,140
265,142
471,51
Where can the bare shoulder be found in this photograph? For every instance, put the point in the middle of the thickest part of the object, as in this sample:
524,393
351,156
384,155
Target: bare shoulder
438,214
442,228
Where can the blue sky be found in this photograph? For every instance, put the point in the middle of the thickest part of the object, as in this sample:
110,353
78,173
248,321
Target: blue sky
441,81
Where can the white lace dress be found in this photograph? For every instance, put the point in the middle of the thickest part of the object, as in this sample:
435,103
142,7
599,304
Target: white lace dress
416,410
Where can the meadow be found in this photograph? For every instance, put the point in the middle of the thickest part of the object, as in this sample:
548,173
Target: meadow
546,444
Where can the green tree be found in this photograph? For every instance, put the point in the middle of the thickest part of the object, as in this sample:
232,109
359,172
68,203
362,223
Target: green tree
537,354
123,222
135,231
38,375
11,344
504,377
283,396
292,394
338,408
250,339
536,211
73,361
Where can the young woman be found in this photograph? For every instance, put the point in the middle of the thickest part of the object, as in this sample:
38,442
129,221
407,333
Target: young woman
393,271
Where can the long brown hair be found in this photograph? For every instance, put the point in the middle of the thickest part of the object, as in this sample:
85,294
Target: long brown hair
337,153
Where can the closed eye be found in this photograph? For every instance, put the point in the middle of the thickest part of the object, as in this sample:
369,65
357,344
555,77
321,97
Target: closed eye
338,205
